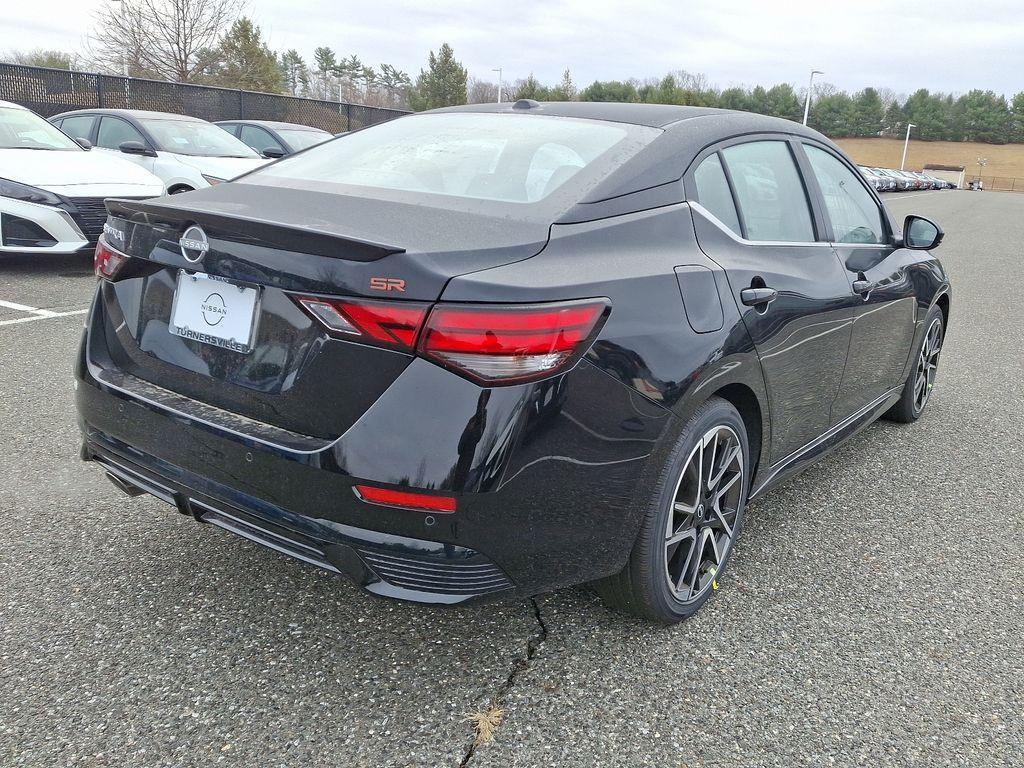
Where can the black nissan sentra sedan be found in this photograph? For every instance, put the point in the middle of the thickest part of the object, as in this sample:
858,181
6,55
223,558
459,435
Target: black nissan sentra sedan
500,349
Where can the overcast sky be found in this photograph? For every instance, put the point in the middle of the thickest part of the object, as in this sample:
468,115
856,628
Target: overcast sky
943,45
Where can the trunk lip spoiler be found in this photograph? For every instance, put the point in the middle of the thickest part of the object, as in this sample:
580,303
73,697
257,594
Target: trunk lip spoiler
242,228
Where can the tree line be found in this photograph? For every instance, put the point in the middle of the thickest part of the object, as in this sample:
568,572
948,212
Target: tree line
210,42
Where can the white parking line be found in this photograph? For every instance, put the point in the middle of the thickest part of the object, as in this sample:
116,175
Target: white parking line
35,312
918,194
47,316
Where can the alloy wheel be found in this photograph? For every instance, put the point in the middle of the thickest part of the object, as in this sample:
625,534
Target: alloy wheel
927,364
702,522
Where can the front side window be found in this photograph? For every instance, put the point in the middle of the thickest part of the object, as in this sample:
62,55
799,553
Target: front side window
714,194
114,132
304,139
769,192
855,216
506,158
258,139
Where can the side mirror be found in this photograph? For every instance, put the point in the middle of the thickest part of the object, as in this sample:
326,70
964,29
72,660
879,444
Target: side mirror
135,148
273,152
921,234
83,143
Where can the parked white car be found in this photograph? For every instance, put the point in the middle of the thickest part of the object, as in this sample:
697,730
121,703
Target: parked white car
185,152
52,189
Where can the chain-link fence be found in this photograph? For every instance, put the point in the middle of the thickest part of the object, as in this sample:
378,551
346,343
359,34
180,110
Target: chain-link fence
52,91
999,183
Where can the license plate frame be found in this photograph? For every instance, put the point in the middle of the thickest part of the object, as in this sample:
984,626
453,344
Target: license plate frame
239,304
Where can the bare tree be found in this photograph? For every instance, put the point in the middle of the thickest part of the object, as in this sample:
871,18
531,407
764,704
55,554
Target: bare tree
482,91
166,39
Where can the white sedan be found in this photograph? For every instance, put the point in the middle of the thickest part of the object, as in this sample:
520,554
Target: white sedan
52,189
185,152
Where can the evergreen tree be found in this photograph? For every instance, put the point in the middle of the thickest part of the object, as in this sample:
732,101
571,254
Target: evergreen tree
610,90
242,60
868,113
565,90
930,114
983,116
442,84
734,98
833,115
325,61
1017,118
294,71
782,101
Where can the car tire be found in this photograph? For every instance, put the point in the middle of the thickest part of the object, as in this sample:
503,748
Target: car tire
668,583
913,399
179,189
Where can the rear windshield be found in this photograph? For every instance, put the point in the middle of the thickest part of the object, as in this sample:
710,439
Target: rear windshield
473,156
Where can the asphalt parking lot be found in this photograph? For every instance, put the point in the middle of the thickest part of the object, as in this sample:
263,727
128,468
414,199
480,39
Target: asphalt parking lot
871,615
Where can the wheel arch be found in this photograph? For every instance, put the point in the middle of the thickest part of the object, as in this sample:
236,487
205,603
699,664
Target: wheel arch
745,400
943,303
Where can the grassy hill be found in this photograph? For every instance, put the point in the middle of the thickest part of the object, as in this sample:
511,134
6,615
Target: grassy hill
1006,160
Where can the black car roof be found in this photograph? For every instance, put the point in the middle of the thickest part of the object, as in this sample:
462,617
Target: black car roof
686,131
273,124
654,115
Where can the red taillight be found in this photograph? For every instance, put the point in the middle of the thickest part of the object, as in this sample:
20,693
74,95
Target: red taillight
426,502
385,323
510,344
107,262
490,344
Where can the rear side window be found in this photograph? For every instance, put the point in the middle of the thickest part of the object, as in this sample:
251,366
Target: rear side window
114,131
855,215
78,127
714,194
769,192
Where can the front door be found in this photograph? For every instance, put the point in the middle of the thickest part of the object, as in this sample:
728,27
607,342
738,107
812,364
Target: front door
752,216
885,300
113,132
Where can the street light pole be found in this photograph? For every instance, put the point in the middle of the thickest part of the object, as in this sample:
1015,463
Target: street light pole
124,52
906,143
498,70
810,87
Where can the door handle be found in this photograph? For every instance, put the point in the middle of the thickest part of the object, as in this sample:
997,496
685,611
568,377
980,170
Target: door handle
755,297
863,286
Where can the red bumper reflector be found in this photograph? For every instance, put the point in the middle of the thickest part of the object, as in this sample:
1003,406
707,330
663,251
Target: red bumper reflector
407,500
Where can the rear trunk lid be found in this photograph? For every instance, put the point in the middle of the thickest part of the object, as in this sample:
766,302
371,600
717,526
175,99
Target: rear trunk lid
286,242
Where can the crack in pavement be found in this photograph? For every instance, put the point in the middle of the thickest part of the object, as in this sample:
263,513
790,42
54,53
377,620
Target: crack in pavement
519,665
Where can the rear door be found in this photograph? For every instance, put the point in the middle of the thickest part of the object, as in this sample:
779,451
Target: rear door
753,216
78,126
886,307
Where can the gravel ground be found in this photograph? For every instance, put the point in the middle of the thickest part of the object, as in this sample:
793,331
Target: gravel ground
870,616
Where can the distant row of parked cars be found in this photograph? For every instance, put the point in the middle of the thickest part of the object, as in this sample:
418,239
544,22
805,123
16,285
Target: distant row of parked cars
891,180
55,175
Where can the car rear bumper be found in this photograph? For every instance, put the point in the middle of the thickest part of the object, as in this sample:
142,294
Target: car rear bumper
387,565
545,475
